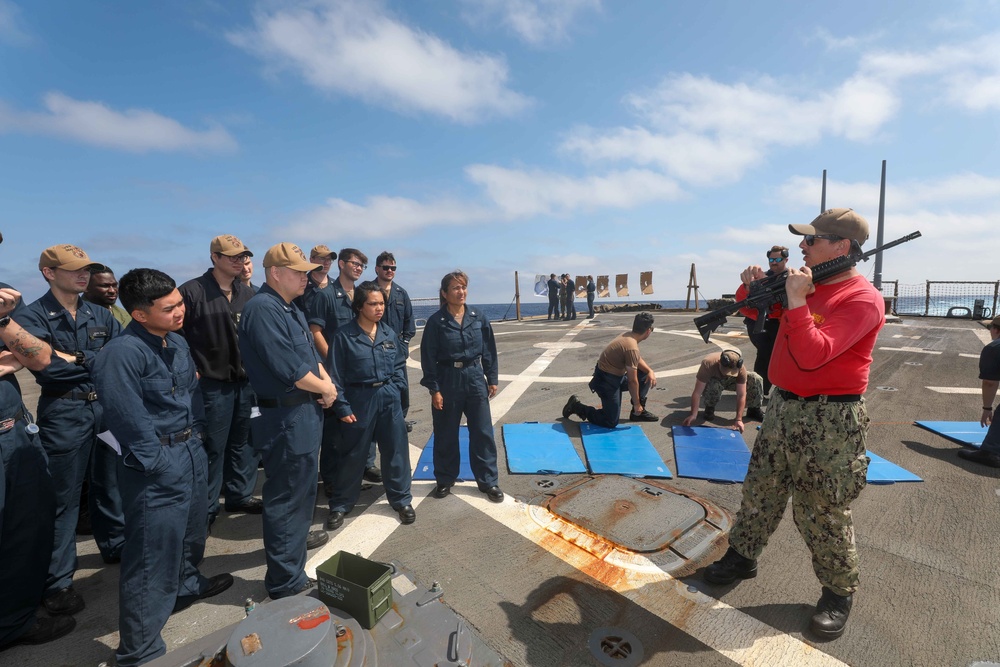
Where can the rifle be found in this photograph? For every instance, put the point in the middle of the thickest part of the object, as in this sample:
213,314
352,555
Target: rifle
768,291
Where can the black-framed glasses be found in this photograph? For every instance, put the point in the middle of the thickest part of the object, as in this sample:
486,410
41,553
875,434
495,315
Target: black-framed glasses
242,258
387,267
776,260
811,238
356,263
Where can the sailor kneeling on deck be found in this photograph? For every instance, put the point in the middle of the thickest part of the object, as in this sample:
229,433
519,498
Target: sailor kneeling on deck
811,445
620,368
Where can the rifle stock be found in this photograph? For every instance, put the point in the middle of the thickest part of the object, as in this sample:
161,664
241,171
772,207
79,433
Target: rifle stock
766,292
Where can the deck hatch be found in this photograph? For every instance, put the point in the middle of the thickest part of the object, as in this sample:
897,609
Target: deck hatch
628,512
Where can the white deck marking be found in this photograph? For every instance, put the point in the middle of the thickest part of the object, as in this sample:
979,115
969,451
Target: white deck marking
956,390
918,350
967,355
908,337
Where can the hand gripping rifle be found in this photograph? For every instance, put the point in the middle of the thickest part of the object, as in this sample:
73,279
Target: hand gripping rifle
768,291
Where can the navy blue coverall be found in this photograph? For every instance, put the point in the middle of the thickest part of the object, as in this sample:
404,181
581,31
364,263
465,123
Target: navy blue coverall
369,379
69,419
27,511
399,316
591,293
460,361
210,321
329,309
149,391
278,351
554,310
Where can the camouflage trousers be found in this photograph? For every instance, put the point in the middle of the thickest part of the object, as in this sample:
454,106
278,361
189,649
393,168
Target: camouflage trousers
714,388
815,453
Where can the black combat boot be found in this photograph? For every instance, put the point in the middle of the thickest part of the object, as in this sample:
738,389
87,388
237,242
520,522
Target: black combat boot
831,614
572,407
731,567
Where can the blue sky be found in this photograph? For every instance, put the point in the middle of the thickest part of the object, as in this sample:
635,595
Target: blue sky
540,136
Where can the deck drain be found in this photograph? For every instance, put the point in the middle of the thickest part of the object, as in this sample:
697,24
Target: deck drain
886,388
545,483
615,647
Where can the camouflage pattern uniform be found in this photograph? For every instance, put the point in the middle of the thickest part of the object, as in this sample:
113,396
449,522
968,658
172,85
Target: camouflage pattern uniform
715,386
814,451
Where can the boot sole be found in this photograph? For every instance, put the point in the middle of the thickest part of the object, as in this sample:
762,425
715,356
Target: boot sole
722,581
826,634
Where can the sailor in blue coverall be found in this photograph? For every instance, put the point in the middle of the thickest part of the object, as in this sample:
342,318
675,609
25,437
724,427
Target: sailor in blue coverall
27,503
292,389
458,356
70,417
366,361
149,391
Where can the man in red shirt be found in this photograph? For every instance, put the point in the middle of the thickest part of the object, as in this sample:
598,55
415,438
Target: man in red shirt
811,445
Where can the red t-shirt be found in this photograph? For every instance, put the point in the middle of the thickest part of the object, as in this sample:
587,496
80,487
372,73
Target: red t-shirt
825,346
742,292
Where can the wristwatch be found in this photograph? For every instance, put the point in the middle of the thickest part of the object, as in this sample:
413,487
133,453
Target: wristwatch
80,358
4,321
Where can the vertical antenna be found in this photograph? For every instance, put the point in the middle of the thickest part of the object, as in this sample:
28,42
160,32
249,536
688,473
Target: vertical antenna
881,229
822,197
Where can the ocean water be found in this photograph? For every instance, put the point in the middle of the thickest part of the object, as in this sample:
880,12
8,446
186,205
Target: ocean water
507,311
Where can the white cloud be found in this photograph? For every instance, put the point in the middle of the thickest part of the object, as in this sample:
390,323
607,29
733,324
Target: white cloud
133,130
12,30
706,132
383,216
510,195
521,194
358,49
534,21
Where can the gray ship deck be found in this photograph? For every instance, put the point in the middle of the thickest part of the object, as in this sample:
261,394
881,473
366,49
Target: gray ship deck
930,590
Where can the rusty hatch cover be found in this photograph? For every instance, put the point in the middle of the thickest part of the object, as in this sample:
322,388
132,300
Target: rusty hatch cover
628,512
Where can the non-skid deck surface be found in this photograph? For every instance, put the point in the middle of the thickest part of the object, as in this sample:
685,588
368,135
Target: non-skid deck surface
540,449
964,433
621,451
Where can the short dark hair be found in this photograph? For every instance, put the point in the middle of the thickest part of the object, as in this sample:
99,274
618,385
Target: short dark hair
361,293
347,253
779,248
642,323
139,288
100,268
384,255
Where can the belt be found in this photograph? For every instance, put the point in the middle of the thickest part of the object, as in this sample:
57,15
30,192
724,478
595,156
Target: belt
88,396
478,361
285,401
8,424
367,385
174,438
822,398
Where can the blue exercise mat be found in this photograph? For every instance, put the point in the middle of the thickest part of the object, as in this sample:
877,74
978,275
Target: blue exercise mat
881,471
965,433
621,451
425,465
538,449
717,454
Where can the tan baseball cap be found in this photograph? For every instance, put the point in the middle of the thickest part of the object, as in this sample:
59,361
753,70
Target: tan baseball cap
229,245
68,257
320,252
288,255
842,222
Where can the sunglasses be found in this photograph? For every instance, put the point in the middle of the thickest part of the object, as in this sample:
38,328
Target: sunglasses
811,238
776,260
387,267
